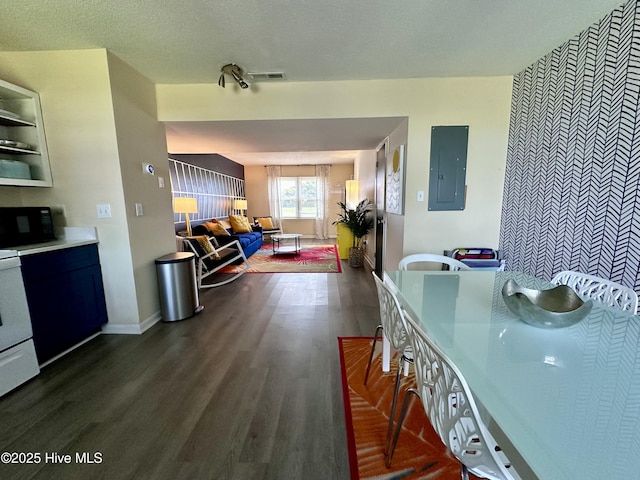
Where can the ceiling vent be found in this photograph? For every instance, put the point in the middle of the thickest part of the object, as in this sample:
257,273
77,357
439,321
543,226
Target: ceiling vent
266,76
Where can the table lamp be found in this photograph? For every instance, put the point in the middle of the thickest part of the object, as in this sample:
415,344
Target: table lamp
185,205
240,205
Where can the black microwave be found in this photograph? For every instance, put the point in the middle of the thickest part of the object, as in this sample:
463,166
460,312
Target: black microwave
25,225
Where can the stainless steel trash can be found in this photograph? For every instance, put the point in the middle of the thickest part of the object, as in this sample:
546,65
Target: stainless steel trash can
177,286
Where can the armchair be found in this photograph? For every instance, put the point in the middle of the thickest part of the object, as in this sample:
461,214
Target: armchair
269,227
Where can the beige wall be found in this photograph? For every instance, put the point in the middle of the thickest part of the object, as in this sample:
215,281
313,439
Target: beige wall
89,157
256,190
141,139
257,193
483,103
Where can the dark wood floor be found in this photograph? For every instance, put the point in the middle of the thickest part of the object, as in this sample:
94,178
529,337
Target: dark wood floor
248,389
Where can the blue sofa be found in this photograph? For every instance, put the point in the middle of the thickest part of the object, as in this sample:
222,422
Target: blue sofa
250,242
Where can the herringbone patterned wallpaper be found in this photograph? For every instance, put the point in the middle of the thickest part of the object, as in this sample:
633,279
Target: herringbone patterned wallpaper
572,187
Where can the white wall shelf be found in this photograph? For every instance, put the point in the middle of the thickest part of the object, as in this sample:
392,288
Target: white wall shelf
21,121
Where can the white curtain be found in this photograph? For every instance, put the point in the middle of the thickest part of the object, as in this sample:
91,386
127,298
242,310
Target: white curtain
273,175
322,220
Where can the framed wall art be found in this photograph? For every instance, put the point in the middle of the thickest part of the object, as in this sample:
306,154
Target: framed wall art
395,182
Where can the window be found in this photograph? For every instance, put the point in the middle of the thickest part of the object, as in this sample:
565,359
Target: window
298,197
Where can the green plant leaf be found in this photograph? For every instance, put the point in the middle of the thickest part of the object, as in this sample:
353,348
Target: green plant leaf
358,221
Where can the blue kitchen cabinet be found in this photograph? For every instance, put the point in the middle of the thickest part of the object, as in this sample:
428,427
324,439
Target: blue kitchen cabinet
66,300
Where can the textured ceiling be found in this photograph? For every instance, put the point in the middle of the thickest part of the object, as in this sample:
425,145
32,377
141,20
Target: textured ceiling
188,41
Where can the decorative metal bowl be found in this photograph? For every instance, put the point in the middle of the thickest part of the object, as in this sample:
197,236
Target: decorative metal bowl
557,307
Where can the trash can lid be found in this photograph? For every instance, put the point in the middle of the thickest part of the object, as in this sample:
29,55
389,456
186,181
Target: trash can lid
175,257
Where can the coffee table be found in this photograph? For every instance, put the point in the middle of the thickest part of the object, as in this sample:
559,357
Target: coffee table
291,243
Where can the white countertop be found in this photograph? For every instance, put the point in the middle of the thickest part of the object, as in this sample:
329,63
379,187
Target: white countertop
71,237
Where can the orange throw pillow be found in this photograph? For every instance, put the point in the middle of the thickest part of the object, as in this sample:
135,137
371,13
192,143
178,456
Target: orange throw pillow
216,229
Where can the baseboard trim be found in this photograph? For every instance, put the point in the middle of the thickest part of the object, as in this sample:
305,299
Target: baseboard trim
112,329
109,329
70,349
150,321
132,329
370,262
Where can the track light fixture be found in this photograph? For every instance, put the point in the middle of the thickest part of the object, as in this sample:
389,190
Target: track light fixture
236,72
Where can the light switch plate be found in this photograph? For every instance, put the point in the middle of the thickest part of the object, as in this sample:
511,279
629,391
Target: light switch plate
161,182
104,210
139,212
421,196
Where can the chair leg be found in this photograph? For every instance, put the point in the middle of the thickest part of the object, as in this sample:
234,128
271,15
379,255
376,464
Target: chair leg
373,347
403,413
394,401
464,471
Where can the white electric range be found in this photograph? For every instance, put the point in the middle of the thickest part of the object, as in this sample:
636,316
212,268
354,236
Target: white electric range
18,361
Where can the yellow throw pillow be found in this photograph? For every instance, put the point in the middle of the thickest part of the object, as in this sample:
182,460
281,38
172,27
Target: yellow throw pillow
266,223
204,242
224,222
247,223
240,224
216,229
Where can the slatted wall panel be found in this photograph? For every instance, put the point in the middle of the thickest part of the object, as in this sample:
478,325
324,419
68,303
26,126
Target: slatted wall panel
214,192
572,186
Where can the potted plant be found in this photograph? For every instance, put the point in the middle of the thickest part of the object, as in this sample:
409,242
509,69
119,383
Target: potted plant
359,222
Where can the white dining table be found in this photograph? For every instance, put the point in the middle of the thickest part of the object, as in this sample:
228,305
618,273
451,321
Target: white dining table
566,401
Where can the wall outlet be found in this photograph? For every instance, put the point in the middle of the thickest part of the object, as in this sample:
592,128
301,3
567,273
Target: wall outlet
59,218
58,211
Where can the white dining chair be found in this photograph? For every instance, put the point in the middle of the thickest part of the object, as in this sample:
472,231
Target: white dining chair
452,411
600,289
431,258
392,326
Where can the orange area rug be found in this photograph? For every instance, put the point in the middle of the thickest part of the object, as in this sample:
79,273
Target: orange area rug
310,259
419,454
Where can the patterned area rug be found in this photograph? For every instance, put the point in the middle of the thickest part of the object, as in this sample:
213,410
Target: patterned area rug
419,454
311,259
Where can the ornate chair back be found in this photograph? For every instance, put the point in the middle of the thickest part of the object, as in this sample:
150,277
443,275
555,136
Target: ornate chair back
391,318
600,289
450,406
